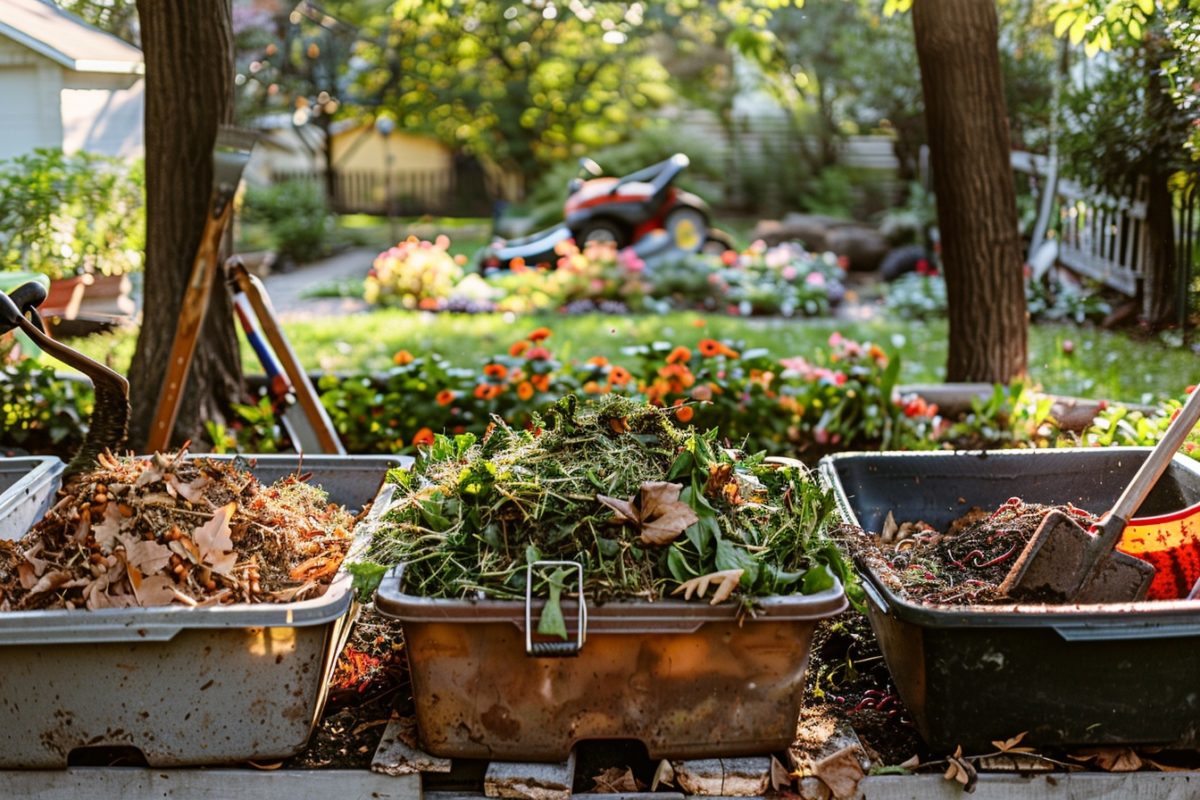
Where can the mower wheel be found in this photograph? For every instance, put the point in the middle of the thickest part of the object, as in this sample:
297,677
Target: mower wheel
688,228
603,231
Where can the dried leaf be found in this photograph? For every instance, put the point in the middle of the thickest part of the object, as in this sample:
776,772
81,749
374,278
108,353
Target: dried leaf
781,779
658,512
146,556
315,568
214,542
154,471
50,581
616,780
31,558
727,580
1010,745
888,533
1111,759
109,529
664,775
192,492
841,771
156,590
911,763
618,425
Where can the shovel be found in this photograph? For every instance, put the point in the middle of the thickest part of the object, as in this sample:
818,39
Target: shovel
1063,563
230,154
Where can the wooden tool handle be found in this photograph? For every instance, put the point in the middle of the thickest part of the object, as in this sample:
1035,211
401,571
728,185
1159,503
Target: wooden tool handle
187,332
306,395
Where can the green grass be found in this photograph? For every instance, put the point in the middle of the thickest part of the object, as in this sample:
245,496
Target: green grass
1103,364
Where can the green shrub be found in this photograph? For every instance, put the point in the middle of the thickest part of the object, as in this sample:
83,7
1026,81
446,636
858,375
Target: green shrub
65,215
297,216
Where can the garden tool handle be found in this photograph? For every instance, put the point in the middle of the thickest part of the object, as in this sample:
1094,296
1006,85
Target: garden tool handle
1113,524
192,311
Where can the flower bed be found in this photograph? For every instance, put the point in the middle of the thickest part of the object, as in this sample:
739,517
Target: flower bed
785,280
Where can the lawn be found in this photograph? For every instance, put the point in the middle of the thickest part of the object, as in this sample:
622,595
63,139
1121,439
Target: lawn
1099,364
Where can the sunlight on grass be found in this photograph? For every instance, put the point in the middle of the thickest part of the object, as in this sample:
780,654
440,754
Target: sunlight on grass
1100,364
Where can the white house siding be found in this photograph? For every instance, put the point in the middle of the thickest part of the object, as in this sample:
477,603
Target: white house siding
26,120
103,119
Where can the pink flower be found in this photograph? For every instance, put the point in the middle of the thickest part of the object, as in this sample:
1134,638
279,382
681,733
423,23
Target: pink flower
821,435
789,273
835,339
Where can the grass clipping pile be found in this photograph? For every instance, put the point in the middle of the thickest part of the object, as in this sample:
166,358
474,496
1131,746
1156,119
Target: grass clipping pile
963,565
152,532
646,509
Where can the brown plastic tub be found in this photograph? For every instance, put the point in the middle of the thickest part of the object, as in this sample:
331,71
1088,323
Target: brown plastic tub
685,679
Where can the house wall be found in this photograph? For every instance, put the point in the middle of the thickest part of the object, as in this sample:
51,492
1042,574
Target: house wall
362,149
26,119
103,115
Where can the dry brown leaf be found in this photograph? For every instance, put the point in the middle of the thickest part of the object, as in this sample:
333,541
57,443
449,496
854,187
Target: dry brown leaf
50,581
31,558
109,529
960,770
658,512
214,542
781,779
1111,759
888,532
156,590
841,772
315,569
146,556
911,763
727,580
1010,745
616,780
664,775
618,425
192,492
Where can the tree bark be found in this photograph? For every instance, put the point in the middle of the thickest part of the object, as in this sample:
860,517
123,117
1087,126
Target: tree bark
969,148
188,51
1160,288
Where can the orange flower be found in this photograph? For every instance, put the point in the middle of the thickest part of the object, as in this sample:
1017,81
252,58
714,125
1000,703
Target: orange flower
699,323
591,387
518,348
481,391
498,371
684,414
422,437
517,264
709,347
445,397
541,382
539,334
402,357
619,376
679,355
525,390
728,352
598,361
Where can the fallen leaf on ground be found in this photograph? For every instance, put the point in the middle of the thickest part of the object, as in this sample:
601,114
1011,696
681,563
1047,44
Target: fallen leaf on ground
1010,745
1110,759
663,776
727,580
841,772
960,770
658,514
615,780
780,777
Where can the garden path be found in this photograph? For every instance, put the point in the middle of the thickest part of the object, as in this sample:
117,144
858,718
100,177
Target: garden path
286,289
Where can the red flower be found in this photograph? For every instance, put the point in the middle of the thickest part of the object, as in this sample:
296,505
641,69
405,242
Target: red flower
537,354
539,334
445,397
498,371
422,437
518,348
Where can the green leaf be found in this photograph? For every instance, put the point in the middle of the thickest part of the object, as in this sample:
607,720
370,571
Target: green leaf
817,579
677,564
1147,6
730,556
367,575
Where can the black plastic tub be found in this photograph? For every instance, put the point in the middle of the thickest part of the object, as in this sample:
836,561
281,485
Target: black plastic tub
1069,675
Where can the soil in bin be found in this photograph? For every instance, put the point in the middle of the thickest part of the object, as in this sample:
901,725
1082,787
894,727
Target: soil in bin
963,565
368,683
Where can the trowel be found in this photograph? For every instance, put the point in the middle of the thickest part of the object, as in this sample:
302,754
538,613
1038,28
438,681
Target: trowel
1063,563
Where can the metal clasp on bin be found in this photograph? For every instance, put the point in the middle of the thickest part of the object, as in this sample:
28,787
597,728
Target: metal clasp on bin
554,649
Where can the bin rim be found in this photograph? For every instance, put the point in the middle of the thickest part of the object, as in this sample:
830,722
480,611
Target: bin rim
614,616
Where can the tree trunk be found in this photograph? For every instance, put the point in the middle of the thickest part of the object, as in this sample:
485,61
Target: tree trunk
188,51
1160,289
969,147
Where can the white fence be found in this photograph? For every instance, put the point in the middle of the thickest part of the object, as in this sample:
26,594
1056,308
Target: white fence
1100,236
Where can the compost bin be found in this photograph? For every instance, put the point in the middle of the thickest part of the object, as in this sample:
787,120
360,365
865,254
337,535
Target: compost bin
1070,675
